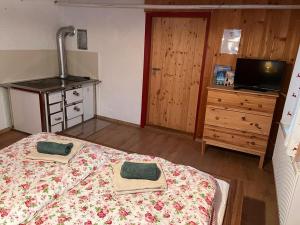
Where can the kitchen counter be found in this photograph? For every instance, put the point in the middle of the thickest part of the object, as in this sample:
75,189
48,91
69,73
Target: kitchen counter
51,84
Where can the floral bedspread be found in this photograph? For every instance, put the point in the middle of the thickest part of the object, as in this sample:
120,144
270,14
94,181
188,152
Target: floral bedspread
188,200
27,186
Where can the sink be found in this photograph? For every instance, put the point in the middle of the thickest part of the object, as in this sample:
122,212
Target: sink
52,82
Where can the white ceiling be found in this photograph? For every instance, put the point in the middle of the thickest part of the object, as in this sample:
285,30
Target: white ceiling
140,4
102,1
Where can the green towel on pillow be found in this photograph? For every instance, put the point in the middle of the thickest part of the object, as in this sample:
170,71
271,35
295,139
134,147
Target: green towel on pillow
146,171
54,148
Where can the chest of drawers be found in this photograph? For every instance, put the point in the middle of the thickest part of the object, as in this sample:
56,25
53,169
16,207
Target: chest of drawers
239,120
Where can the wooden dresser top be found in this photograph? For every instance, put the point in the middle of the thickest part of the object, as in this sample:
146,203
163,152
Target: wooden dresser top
244,91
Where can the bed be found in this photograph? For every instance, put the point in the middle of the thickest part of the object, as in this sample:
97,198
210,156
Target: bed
81,192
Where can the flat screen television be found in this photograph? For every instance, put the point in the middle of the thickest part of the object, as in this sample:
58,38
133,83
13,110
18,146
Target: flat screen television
261,75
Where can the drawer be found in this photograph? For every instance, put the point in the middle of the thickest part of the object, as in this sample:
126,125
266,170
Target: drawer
74,110
57,128
243,101
56,118
74,95
55,108
74,121
258,124
242,140
54,97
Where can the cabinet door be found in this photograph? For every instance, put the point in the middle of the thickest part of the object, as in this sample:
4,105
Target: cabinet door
26,111
88,102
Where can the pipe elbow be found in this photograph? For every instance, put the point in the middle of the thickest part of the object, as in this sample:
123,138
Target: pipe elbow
65,31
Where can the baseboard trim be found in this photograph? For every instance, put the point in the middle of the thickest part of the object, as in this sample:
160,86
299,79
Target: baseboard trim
117,121
197,139
5,130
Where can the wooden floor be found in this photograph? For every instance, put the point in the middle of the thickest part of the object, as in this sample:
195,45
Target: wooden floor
260,207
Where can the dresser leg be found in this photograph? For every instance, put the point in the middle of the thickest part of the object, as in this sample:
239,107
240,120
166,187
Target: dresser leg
261,161
203,146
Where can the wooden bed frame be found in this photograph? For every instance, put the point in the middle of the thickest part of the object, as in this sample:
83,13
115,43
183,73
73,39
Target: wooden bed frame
234,207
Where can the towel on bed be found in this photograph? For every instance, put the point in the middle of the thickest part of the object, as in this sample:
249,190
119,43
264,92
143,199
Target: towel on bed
130,186
145,171
35,155
54,148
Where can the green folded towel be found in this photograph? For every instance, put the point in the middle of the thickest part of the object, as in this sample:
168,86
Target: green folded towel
146,171
54,148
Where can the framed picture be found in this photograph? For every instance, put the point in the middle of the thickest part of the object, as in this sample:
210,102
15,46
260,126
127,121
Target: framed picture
229,79
231,41
220,74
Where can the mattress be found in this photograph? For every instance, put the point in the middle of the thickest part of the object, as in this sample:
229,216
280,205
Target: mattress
221,200
81,192
26,186
188,199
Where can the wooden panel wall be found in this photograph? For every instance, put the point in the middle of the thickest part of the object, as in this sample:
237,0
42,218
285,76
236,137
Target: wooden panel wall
268,34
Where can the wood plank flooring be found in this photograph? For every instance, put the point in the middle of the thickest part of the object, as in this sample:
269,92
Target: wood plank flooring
260,207
10,137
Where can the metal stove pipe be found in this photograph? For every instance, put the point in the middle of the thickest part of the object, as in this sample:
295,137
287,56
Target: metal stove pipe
61,34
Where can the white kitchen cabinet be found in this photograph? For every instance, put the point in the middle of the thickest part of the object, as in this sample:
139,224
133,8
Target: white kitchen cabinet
26,112
89,100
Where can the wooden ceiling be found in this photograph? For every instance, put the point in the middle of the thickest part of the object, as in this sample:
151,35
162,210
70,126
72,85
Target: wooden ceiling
180,2
201,2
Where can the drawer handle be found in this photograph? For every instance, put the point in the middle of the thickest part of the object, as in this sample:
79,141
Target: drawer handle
57,118
257,126
75,93
76,108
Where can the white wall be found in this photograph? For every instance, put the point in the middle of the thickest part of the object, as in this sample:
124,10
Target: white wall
26,25
118,37
29,24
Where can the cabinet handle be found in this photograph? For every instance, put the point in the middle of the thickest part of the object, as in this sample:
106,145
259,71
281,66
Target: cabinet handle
76,108
75,93
155,69
58,119
257,126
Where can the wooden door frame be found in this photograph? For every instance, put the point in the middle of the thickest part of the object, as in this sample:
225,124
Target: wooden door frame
147,57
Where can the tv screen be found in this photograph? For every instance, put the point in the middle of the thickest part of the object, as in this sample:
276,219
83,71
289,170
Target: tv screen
264,75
